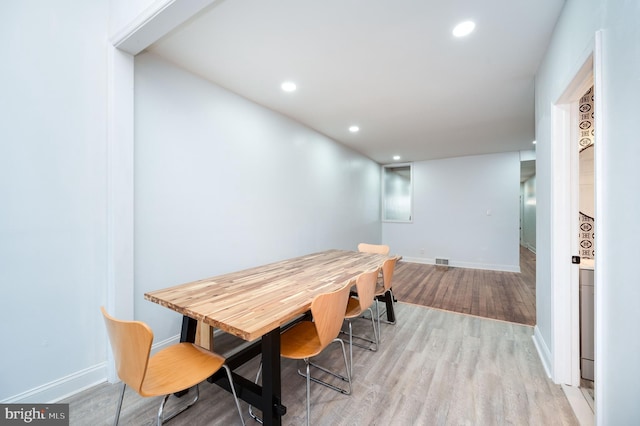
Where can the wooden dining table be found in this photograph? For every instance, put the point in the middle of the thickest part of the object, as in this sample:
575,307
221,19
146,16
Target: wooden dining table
255,303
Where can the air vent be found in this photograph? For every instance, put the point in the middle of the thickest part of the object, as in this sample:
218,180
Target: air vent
442,262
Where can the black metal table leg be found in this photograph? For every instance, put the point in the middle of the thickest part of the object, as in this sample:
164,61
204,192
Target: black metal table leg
268,397
187,334
387,298
271,380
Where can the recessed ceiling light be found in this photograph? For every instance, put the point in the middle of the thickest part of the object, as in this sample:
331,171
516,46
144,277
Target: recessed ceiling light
534,142
464,28
354,129
288,86
396,157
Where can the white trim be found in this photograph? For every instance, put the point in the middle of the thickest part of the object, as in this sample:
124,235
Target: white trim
63,387
466,265
565,331
562,247
120,203
155,22
543,350
120,184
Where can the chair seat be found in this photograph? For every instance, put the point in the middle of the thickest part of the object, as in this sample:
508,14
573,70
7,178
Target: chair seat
353,308
195,365
300,341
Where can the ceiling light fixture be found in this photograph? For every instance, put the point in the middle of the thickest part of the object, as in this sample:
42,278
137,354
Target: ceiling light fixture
464,28
534,142
354,129
288,86
396,157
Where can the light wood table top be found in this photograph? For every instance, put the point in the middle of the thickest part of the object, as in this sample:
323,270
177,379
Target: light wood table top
252,302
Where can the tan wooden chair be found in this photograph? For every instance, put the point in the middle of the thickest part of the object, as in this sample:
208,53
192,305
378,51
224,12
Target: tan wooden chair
173,369
357,306
307,339
373,248
383,287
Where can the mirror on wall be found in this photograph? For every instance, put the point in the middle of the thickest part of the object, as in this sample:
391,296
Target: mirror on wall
397,193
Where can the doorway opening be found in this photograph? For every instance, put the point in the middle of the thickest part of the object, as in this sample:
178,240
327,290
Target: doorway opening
565,222
566,243
586,239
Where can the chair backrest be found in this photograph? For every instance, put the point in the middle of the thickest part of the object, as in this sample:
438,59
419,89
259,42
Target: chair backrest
328,313
131,346
373,248
366,285
388,267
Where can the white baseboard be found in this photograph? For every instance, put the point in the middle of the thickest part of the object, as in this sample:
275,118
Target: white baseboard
77,382
62,388
467,265
543,350
529,247
165,343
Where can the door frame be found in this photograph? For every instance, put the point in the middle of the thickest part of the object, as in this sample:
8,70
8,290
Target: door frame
565,321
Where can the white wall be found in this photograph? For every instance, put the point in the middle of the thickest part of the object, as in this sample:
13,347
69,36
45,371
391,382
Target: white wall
617,289
619,292
52,196
224,184
466,209
54,261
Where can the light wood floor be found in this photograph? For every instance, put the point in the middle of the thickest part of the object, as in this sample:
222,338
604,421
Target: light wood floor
434,368
506,296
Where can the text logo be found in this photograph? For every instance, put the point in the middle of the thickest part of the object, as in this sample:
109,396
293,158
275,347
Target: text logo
34,414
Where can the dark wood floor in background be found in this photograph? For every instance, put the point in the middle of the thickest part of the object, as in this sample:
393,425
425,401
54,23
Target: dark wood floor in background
506,296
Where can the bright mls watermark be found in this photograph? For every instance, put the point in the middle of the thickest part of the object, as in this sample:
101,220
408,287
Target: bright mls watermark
34,414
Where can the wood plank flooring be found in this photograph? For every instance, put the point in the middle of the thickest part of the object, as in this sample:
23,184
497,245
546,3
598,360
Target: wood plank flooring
434,368
506,296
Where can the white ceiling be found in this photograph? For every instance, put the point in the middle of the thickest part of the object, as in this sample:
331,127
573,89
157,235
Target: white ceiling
392,67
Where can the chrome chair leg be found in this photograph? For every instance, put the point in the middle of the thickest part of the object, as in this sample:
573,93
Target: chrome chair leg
374,341
159,417
254,416
350,349
346,378
378,317
373,347
115,422
233,390
306,360
346,365
161,420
